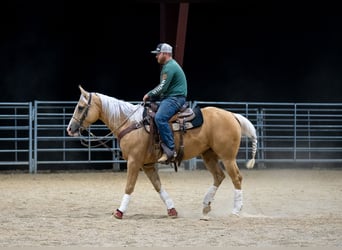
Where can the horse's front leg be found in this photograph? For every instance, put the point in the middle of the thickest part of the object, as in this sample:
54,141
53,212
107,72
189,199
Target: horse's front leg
133,168
153,175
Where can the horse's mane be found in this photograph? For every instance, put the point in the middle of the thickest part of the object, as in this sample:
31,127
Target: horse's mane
114,108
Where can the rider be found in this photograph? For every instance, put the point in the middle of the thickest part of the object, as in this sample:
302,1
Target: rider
172,93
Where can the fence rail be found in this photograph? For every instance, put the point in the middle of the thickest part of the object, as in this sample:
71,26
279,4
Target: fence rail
34,135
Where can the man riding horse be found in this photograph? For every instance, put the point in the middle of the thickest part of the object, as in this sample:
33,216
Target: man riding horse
172,93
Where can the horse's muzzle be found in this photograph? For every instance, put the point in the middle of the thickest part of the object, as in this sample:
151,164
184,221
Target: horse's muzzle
73,130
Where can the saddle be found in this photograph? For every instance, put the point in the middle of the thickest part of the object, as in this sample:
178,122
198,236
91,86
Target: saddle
186,118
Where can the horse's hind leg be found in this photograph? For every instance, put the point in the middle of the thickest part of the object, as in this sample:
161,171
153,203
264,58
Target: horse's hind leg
152,173
234,173
212,164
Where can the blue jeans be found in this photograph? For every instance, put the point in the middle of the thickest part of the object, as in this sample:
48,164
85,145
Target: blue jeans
167,108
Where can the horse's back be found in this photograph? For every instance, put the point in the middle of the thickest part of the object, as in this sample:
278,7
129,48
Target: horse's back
218,118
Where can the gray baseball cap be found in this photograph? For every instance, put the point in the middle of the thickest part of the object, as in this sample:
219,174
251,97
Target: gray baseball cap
162,48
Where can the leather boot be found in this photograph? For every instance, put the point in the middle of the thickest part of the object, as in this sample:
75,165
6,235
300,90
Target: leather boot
168,154
163,158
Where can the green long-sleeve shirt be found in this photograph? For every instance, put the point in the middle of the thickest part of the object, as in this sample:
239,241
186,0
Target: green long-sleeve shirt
172,81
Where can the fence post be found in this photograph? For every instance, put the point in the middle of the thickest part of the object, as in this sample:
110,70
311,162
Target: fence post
260,134
31,157
116,156
35,140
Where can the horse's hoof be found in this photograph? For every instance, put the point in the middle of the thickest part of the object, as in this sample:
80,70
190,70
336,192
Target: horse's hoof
172,213
118,214
206,209
205,217
236,213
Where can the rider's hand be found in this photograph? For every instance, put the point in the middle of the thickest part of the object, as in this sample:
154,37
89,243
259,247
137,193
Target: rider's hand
145,98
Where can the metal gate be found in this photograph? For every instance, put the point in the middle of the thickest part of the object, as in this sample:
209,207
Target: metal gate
35,135
16,138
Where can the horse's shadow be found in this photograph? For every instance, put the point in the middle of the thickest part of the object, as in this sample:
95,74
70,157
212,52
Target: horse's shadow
146,217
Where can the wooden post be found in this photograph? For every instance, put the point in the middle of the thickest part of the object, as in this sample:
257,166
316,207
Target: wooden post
173,24
181,32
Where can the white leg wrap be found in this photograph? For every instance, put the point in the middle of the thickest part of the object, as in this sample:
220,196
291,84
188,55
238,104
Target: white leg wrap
124,202
209,196
237,201
166,199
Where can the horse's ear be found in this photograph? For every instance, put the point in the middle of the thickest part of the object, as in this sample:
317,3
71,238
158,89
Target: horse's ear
83,92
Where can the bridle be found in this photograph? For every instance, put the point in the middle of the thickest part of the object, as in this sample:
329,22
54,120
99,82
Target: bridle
85,142
84,114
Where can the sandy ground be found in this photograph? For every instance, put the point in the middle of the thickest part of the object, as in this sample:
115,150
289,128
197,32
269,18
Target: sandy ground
286,207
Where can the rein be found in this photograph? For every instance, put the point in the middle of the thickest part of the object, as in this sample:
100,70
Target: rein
86,143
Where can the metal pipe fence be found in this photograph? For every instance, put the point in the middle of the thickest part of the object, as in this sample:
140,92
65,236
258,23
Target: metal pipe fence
16,138
35,136
291,132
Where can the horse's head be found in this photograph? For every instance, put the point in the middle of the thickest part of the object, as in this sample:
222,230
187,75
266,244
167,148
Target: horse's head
86,113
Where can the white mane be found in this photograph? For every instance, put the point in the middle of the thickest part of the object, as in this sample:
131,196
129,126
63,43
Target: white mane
114,109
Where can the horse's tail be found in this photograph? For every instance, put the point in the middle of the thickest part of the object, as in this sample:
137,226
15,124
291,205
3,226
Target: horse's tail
248,129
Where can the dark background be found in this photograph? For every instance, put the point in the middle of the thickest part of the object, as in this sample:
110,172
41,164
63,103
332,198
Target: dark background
269,51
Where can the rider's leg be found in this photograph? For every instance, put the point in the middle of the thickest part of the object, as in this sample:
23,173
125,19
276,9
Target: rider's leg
167,108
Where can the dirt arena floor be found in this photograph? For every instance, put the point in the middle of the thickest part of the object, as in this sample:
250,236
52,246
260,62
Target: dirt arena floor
282,208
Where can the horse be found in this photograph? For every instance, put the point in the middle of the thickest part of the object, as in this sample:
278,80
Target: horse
217,141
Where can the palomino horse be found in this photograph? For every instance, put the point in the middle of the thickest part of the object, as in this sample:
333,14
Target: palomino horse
217,139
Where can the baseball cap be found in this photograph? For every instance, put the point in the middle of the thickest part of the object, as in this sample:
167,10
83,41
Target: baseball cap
162,48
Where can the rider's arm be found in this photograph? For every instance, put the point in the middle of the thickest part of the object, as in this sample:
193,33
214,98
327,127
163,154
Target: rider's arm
158,91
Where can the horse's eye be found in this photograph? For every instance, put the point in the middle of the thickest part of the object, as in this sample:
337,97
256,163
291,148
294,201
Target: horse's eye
80,108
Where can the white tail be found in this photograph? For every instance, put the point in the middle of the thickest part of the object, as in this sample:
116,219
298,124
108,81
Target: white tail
248,129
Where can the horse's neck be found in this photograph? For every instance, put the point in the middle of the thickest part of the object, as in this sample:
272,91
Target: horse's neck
117,113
